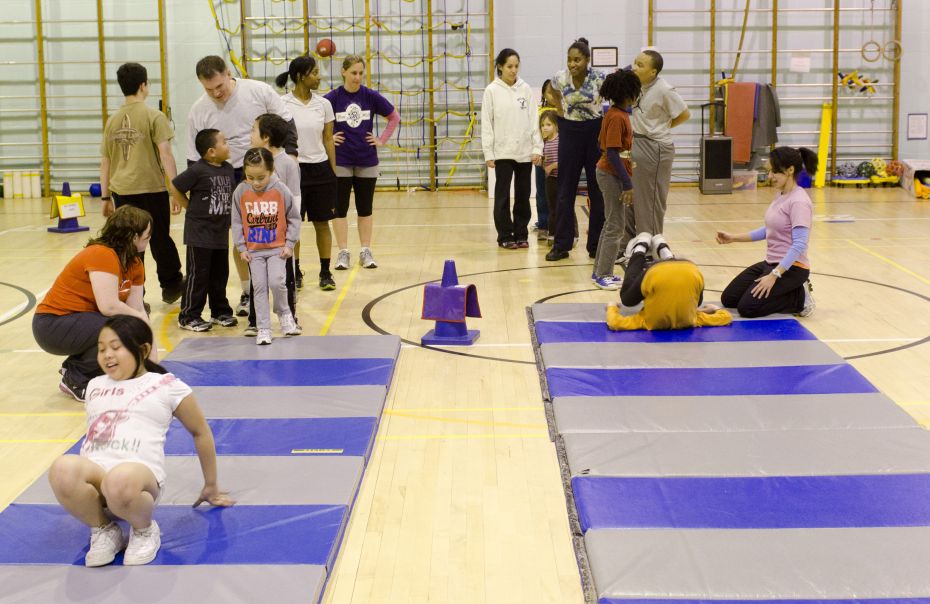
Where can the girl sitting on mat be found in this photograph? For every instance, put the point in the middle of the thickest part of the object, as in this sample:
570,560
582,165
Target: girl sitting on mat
120,471
781,282
671,291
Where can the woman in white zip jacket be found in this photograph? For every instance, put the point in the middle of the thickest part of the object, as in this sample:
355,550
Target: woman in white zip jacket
512,144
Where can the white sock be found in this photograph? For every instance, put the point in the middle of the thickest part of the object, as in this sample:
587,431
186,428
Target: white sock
245,287
665,253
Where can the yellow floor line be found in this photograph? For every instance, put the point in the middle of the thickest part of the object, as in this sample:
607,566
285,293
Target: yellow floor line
921,278
33,441
471,422
169,318
338,303
464,436
45,414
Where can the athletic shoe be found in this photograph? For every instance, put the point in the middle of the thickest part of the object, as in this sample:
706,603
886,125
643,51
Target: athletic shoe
250,331
105,543
622,260
224,321
197,324
71,387
809,304
289,326
143,545
342,260
243,309
366,259
658,241
556,254
299,279
523,244
327,283
263,337
644,239
508,245
542,234
550,240
609,282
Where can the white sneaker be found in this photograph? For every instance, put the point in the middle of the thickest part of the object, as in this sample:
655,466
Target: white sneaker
658,241
263,337
366,259
809,303
143,545
641,239
342,260
105,543
289,326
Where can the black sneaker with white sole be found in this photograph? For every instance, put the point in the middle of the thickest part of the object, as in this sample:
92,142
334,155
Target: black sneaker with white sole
70,386
327,283
243,309
224,321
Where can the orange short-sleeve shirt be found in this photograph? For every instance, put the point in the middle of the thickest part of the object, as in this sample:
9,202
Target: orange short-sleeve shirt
72,291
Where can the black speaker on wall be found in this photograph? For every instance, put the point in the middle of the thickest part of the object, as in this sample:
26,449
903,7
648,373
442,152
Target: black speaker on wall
716,165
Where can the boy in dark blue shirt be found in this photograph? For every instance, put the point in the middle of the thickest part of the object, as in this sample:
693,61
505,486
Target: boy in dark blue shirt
210,182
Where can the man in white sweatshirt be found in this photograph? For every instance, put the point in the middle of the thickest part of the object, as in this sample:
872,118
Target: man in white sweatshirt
511,143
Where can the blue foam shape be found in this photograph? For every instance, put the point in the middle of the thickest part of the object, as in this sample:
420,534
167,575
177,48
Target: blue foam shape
804,379
284,372
826,601
353,435
769,502
551,332
260,534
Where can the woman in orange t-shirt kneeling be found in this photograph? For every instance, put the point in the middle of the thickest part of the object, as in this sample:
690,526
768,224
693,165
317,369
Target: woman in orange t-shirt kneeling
104,279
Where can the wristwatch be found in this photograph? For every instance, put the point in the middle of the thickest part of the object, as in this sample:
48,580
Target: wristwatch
777,272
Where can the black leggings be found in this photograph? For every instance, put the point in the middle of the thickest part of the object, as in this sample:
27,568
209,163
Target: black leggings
364,195
787,294
74,335
631,291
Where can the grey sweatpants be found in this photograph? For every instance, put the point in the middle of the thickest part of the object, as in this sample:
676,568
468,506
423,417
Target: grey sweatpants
652,174
268,273
614,215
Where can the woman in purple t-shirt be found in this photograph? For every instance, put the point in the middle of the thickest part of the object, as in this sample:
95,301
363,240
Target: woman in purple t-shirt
356,155
780,283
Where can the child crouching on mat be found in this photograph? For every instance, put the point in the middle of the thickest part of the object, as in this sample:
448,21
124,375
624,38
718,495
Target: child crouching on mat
120,471
671,291
266,227
781,282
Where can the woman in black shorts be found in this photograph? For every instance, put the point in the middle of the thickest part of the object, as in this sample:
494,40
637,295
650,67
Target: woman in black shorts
313,115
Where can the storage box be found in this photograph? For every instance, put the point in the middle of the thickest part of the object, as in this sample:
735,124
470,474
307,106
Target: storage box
745,180
914,168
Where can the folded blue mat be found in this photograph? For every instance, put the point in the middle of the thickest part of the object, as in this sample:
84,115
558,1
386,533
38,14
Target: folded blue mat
550,332
771,502
806,379
335,435
46,534
288,372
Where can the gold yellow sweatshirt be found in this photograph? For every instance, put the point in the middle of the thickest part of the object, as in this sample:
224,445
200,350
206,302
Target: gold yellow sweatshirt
671,292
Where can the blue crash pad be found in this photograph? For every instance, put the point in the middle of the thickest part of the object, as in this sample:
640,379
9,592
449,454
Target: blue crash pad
287,372
550,332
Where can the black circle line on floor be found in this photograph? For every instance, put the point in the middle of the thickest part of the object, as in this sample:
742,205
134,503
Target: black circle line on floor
30,302
366,312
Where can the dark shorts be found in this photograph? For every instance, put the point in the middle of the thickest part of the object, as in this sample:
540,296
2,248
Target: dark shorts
317,192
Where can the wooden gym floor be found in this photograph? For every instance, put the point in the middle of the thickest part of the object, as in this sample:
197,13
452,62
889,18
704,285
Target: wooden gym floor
462,501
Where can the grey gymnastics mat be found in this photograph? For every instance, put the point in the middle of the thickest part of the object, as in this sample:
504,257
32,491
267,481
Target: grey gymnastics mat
281,584
290,401
633,355
754,564
238,348
763,453
249,480
867,411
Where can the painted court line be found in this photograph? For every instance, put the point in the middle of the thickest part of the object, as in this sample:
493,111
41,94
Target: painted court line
342,295
898,266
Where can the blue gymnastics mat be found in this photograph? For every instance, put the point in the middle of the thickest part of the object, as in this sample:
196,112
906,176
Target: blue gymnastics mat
688,483
289,413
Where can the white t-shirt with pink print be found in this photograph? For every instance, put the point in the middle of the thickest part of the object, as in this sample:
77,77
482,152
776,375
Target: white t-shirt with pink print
127,420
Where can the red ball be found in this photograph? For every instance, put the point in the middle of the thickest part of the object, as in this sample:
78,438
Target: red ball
325,47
